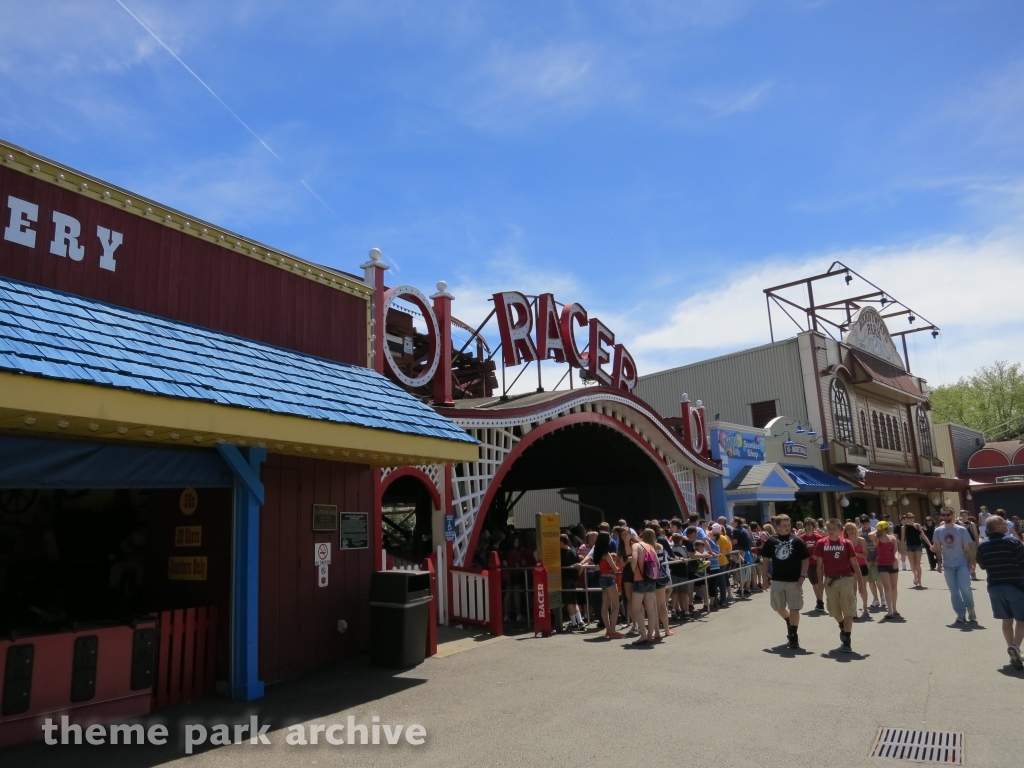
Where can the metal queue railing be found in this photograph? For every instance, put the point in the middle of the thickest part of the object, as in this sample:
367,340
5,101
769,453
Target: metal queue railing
738,572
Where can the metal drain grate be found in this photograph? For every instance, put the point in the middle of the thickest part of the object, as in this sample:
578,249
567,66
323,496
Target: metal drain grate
946,747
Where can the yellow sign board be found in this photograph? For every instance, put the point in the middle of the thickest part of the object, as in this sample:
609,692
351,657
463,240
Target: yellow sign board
549,553
188,536
186,568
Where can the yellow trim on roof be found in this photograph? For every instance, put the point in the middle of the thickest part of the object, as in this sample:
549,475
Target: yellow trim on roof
31,404
71,180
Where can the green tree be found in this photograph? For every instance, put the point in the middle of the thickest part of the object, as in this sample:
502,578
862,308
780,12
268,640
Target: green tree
991,399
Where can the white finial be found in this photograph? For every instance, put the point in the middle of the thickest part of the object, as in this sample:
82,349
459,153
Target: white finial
685,398
442,291
700,403
375,254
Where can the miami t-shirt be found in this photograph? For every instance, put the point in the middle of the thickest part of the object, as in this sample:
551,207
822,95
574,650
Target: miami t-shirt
836,557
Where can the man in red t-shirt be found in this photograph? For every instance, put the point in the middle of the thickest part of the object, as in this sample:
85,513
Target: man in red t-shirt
811,537
840,571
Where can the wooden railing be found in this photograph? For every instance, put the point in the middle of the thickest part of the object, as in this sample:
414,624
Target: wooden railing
187,657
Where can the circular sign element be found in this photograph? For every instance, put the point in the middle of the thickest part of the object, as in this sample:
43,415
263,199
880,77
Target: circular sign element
322,551
433,357
188,501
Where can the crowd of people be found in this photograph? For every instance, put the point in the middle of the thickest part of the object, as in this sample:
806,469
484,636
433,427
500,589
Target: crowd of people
639,584
640,581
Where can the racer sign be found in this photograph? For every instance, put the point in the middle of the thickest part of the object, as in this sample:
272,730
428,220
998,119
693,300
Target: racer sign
555,338
541,606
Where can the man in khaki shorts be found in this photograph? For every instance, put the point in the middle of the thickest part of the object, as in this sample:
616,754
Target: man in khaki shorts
788,559
838,567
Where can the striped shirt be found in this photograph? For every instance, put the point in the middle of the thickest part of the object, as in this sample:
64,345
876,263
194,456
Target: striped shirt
1002,557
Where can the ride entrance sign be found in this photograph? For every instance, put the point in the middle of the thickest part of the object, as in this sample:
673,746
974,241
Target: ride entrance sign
549,553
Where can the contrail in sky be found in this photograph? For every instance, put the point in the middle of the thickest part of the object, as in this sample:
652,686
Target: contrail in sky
219,99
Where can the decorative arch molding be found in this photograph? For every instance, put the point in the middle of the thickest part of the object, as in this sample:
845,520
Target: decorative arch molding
504,434
985,458
429,475
464,513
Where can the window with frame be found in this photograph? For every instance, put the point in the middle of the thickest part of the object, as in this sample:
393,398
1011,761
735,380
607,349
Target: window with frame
906,436
842,416
865,435
896,433
889,434
877,431
924,433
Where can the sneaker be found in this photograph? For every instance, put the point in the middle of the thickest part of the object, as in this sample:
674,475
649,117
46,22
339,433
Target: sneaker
1015,658
960,619
820,605
615,635
846,647
972,615
875,604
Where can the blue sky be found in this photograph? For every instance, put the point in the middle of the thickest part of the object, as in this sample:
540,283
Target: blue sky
659,162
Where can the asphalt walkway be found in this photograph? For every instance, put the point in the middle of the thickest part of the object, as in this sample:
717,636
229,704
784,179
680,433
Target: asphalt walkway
722,692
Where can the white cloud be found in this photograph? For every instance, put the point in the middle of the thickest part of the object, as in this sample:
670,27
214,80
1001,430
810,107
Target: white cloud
723,104
969,287
513,88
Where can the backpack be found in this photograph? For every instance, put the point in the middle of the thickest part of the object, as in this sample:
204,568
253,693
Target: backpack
651,566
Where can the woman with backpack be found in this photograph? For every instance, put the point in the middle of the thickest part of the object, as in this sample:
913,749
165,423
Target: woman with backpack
645,567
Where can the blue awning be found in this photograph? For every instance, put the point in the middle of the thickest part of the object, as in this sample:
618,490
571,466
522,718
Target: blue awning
813,480
32,462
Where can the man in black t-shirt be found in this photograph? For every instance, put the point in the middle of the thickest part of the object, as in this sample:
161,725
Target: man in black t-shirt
789,560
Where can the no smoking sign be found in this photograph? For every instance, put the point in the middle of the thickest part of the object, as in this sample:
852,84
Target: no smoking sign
322,559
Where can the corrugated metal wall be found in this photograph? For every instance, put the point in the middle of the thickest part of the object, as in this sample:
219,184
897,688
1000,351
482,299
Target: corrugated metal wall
546,502
298,618
729,384
965,443
169,273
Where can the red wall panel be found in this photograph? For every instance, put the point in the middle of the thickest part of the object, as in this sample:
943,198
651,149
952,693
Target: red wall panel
298,618
166,272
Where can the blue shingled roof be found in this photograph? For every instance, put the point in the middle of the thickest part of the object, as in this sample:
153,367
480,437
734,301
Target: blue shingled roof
57,335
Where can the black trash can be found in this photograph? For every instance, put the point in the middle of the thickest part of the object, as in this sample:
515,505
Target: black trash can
399,612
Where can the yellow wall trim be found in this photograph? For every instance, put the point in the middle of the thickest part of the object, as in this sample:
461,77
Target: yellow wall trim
34,405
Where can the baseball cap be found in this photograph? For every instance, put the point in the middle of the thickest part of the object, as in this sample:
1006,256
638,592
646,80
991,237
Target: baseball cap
865,519
716,528
882,525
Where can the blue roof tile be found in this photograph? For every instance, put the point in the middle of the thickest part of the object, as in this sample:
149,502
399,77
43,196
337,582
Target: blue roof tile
56,335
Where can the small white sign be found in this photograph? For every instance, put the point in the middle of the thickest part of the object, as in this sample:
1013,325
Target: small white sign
321,578
322,553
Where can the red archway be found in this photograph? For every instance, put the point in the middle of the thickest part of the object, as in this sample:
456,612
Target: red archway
537,433
416,472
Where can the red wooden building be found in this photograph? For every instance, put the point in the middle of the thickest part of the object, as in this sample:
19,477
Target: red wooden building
181,408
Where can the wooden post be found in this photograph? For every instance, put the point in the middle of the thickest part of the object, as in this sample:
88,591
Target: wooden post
494,594
443,376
